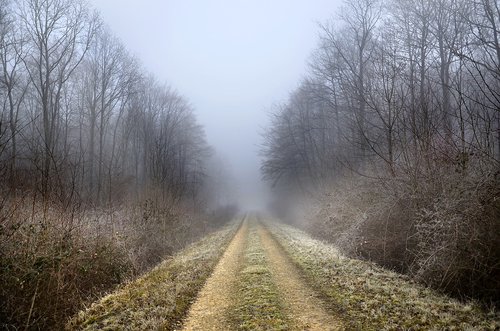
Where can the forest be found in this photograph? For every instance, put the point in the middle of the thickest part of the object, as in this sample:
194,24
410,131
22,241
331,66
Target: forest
380,169
392,139
104,169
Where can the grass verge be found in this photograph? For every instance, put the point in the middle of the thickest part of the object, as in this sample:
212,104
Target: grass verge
160,298
373,298
258,305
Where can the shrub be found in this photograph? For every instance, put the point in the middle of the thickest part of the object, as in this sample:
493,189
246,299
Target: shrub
458,236
55,259
48,267
442,229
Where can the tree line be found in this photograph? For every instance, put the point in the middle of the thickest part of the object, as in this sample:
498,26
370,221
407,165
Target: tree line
394,133
402,83
104,170
81,118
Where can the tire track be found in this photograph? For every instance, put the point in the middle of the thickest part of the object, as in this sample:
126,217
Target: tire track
305,308
208,311
220,304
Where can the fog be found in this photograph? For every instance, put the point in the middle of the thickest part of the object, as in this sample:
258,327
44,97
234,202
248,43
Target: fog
231,59
130,130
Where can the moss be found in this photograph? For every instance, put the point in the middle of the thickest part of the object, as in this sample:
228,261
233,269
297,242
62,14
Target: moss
162,297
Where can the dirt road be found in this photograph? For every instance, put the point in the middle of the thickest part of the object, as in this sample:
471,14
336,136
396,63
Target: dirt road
208,312
222,296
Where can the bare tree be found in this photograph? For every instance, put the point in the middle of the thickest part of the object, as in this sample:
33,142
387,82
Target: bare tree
481,59
108,72
13,83
59,33
360,18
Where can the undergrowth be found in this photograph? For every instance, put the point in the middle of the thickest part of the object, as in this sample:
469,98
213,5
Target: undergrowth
56,258
440,228
160,298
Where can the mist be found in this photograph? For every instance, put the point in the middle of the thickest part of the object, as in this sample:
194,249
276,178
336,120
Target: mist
214,164
232,59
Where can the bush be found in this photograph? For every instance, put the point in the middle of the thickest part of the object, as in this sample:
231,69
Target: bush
458,236
442,229
48,267
55,259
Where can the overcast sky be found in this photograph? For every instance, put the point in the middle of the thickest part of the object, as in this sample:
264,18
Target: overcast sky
232,59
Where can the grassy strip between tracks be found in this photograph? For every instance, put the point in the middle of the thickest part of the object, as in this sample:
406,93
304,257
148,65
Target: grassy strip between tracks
162,297
372,298
258,305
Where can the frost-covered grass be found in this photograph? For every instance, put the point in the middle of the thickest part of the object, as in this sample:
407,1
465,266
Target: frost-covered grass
258,305
160,298
372,298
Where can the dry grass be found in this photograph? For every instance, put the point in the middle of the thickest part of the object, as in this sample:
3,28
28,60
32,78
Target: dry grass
160,298
373,298
49,265
56,258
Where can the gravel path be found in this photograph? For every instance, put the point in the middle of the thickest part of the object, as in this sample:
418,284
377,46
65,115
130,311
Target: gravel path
217,298
208,312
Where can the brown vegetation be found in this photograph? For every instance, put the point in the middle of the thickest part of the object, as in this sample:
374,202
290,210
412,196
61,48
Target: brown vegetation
395,137
103,168
54,261
444,232
160,298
